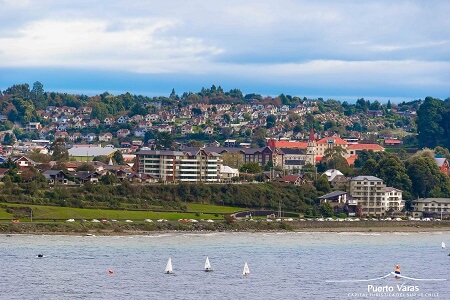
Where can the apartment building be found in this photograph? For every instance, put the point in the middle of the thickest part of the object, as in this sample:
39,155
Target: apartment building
373,197
394,199
432,207
179,166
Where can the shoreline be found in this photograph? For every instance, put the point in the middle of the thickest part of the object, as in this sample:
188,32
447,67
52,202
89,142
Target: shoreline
86,229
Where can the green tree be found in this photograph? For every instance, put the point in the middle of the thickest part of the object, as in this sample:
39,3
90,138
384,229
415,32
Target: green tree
259,137
444,152
271,121
163,140
227,118
429,117
174,95
326,210
118,157
369,168
426,177
250,167
86,167
108,179
9,139
322,185
59,151
37,95
393,173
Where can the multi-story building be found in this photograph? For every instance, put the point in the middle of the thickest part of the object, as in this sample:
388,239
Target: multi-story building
317,148
432,207
293,159
182,166
374,198
394,199
236,157
369,191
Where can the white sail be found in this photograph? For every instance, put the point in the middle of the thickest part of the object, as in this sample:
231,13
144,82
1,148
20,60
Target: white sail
207,265
443,245
246,270
168,269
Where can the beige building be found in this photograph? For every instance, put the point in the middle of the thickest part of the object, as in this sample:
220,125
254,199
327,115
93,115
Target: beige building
374,198
180,166
432,207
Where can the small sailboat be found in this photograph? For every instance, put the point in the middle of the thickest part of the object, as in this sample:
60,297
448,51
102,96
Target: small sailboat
169,269
246,270
443,245
397,272
208,265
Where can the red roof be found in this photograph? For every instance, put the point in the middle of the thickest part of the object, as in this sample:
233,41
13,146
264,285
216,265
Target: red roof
392,141
374,147
351,159
290,178
336,140
288,144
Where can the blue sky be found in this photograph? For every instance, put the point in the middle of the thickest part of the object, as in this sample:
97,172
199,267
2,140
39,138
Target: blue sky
345,50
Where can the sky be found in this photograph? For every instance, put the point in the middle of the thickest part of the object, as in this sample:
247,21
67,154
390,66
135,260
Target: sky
344,50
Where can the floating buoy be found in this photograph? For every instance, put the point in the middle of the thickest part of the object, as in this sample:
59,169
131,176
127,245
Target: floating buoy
110,271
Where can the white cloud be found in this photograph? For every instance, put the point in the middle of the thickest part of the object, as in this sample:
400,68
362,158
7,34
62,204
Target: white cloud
134,45
328,42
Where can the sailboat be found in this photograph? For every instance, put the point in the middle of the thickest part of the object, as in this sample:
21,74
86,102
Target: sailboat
208,265
169,269
246,270
443,245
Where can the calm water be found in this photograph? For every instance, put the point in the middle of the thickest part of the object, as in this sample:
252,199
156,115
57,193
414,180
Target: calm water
282,266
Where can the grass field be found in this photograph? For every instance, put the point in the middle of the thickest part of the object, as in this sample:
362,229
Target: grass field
46,213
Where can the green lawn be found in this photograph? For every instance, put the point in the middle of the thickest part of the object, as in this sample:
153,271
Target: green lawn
212,208
4,214
41,212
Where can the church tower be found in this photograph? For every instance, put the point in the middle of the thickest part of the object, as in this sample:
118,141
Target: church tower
311,150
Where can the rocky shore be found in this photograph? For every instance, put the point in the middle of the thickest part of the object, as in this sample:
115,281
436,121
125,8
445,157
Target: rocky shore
148,228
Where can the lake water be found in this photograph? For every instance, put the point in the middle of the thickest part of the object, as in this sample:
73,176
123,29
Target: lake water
282,266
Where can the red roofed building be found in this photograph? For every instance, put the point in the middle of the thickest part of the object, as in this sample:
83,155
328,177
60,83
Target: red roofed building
392,142
355,148
329,142
315,149
295,179
443,164
287,144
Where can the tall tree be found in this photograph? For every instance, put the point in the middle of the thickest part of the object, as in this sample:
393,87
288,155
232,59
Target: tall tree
427,180
118,157
429,117
393,173
37,95
163,141
59,151
271,121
